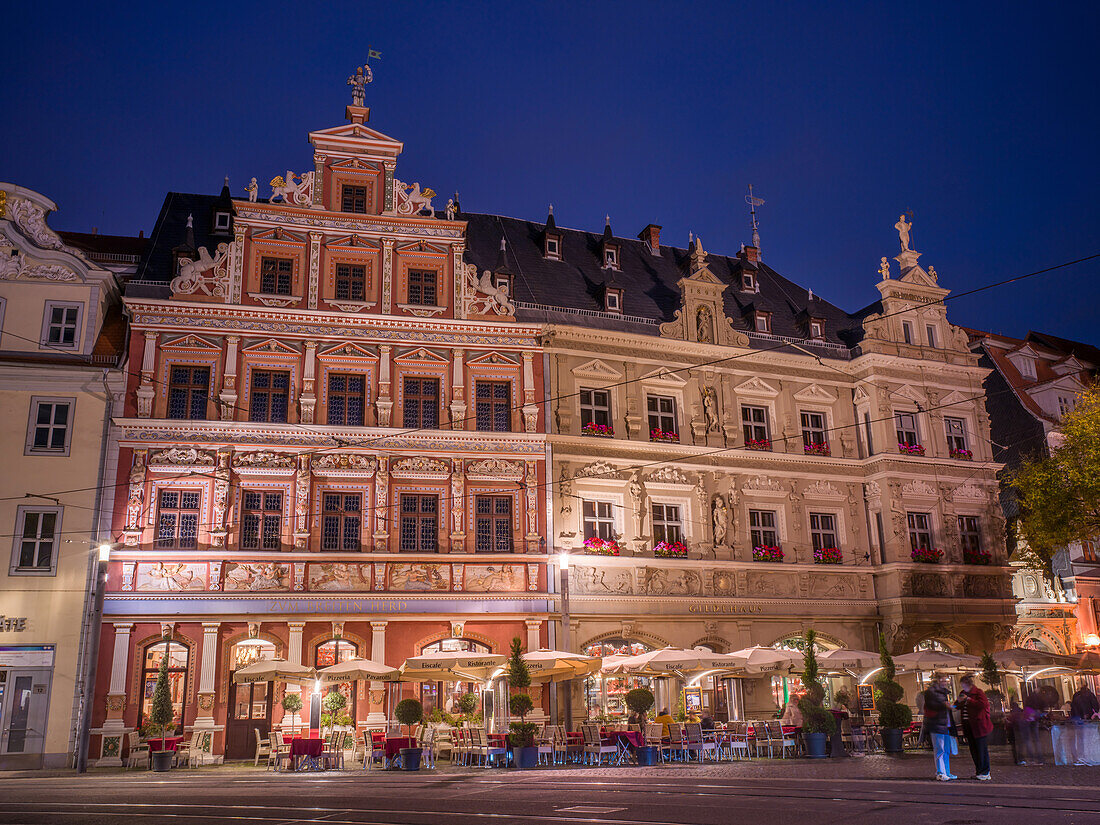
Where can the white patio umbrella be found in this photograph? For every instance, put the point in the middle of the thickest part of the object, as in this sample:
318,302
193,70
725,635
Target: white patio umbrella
610,664
674,660
759,659
1020,658
451,666
559,666
936,660
275,670
358,669
847,659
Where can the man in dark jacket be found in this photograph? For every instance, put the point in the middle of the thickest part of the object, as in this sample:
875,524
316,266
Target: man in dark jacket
974,706
1082,707
938,725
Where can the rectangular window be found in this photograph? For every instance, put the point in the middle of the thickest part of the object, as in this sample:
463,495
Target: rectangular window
813,428
956,434
353,199
347,399
595,407
662,413
62,325
598,521
493,406
261,520
420,523
763,322
867,433
553,250
666,523
611,257
970,535
817,329
341,521
493,524
270,396
50,425
422,291
1026,365
762,532
747,282
754,423
36,535
930,331
907,332
920,531
822,530
188,389
177,520
420,400
1065,405
1089,552
351,282
275,275
907,428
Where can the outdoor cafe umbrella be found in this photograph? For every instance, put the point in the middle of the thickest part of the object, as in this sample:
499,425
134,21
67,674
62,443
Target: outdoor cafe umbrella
275,670
936,660
759,659
674,660
610,664
451,666
558,666
358,669
1021,658
846,659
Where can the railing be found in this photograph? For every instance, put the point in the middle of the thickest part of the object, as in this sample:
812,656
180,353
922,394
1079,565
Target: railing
590,313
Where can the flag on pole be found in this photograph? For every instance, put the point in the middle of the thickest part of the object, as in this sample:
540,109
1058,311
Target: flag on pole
373,55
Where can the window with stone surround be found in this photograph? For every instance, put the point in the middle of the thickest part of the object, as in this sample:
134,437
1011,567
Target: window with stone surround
667,525
493,406
970,535
920,531
595,407
956,434
276,275
351,282
177,519
49,430
754,423
188,389
420,402
341,521
353,199
823,530
598,520
662,413
36,536
762,529
347,399
493,524
906,424
261,520
61,325
269,398
813,428
419,523
422,287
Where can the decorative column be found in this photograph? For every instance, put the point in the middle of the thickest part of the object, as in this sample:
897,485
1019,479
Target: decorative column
387,263
384,404
145,391
294,657
307,401
135,503
390,166
207,669
459,272
114,728
534,627
314,264
301,503
236,265
218,532
530,408
531,497
228,396
381,499
458,497
458,392
376,691
318,182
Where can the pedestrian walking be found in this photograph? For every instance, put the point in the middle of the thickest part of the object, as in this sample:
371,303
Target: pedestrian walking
1083,707
939,726
974,707
1030,752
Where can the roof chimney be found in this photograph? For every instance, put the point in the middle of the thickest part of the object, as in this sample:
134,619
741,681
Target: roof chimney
651,235
752,253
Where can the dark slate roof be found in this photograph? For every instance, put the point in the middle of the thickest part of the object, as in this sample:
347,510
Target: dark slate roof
98,246
170,232
1082,351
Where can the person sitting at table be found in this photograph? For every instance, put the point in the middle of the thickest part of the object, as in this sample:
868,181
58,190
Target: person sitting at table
707,722
792,715
665,721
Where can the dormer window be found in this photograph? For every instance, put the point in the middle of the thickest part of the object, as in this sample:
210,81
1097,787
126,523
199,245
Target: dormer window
762,321
1027,367
552,248
817,329
748,281
613,300
221,221
502,280
611,257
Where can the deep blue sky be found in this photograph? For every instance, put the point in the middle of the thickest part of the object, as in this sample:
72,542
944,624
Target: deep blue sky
981,119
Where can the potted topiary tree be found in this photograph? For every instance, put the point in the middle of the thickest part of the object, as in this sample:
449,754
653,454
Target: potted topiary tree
991,675
332,709
818,723
160,718
467,705
525,752
893,716
409,712
640,700
292,703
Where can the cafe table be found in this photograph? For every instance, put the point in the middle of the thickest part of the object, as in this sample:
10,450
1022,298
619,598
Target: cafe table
393,745
305,753
166,743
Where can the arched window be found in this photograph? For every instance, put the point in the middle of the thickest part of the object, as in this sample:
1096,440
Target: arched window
932,644
333,652
606,694
784,686
443,696
177,677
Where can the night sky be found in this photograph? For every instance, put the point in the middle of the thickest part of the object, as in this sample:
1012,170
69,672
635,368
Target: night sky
980,119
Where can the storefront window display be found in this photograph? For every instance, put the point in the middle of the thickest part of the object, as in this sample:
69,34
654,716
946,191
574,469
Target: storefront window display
333,652
605,693
444,696
177,676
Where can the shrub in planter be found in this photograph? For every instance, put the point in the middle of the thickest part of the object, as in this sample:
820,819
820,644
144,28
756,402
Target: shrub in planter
843,699
817,723
292,703
525,752
161,716
408,712
639,701
467,704
893,716
332,709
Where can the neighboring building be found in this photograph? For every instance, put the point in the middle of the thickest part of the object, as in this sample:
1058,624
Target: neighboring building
333,443
1032,383
709,400
62,337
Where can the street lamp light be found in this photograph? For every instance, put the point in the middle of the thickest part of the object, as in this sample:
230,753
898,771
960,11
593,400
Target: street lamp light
90,664
1092,640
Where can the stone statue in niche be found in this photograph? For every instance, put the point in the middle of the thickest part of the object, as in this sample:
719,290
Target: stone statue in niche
710,409
704,326
720,518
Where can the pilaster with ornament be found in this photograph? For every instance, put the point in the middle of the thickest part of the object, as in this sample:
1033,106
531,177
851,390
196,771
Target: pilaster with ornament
387,259
135,503
318,181
227,398
128,570
457,273
458,391
390,166
218,530
375,692
301,503
532,577
633,417
114,727
235,265
530,408
458,498
207,668
456,577
314,267
307,401
381,499
299,576
531,496
384,404
215,576
145,392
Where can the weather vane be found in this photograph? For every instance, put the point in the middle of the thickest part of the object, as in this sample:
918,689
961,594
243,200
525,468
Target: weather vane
363,75
754,202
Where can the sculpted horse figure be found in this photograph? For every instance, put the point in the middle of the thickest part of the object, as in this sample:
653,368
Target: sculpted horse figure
291,192
413,200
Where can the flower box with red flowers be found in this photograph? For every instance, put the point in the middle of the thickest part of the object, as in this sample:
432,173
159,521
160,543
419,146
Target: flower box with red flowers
596,546
758,444
828,555
767,554
601,430
927,555
657,434
976,557
911,449
670,550
817,449
962,455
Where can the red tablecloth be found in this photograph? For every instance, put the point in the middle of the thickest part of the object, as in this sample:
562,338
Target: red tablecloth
300,746
396,743
168,743
631,737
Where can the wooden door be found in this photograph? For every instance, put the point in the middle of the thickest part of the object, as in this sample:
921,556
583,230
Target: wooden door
249,710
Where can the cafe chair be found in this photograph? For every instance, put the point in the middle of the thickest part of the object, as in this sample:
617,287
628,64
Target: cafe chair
333,752
594,745
374,752
193,753
780,740
695,743
280,749
138,753
263,748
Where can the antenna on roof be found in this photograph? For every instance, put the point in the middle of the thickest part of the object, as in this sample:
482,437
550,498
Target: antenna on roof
691,238
754,202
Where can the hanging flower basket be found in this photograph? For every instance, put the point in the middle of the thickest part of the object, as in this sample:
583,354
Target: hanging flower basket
670,550
602,430
767,554
962,455
758,444
657,434
596,546
828,555
911,449
977,557
927,555
817,449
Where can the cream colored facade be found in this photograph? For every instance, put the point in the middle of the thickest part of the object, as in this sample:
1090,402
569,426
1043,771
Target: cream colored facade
866,488
56,376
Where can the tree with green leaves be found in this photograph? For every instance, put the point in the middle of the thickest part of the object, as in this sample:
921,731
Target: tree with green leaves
1059,493
161,713
815,718
892,713
520,704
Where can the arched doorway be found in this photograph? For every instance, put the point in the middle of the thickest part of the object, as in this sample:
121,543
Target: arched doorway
444,696
783,687
177,678
605,694
249,704
333,652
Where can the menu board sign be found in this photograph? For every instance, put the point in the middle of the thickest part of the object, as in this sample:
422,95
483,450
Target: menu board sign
866,697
